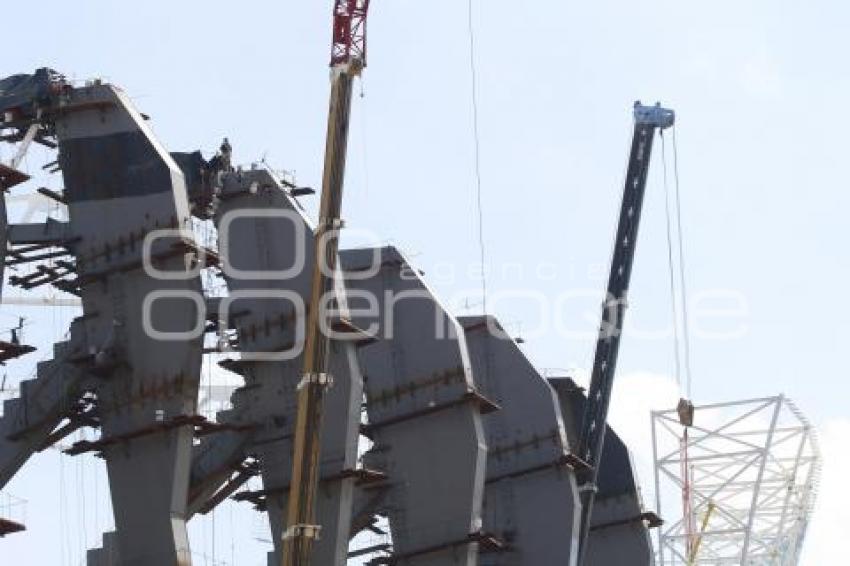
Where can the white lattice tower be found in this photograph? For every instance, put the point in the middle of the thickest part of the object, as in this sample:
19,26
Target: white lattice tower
757,462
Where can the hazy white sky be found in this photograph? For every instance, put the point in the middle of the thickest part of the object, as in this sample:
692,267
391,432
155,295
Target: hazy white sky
761,91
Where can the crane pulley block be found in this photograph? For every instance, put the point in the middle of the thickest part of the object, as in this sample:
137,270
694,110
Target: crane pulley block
654,116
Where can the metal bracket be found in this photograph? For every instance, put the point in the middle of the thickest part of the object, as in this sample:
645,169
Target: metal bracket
332,224
303,531
323,379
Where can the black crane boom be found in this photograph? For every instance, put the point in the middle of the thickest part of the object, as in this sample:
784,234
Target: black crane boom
648,119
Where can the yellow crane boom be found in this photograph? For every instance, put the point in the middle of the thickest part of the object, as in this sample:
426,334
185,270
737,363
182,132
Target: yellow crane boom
347,61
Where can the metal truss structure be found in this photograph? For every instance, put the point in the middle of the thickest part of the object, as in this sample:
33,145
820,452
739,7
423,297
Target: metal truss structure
738,485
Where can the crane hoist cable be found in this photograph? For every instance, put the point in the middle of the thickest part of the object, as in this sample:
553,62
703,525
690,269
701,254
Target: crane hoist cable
681,346
473,69
685,317
674,302
675,247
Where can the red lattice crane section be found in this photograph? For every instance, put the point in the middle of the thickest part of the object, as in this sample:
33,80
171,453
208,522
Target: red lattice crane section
349,34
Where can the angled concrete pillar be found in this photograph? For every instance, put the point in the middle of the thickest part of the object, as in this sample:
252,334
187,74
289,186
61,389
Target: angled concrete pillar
619,529
266,247
531,503
122,186
424,412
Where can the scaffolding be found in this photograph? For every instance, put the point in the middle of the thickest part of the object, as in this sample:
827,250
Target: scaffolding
746,471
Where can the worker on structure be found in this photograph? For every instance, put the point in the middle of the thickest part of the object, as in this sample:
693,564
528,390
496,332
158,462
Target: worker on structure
226,155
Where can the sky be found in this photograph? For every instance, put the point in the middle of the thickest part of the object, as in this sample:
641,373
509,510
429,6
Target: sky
760,89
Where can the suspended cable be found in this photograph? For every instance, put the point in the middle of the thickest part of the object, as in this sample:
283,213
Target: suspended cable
232,537
97,528
65,549
674,303
364,137
211,416
477,138
682,340
686,337
81,501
